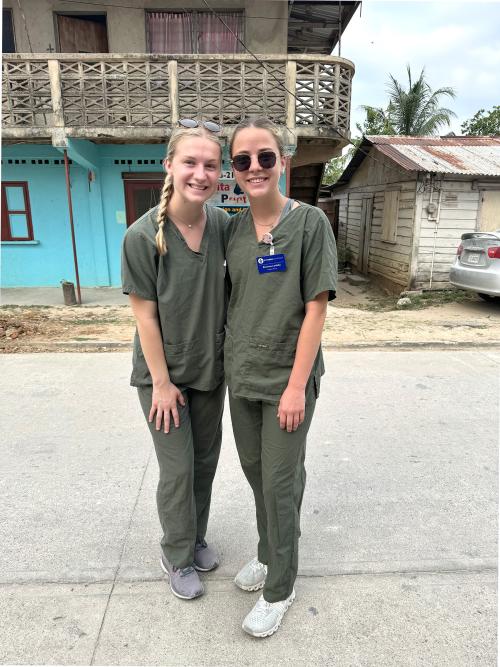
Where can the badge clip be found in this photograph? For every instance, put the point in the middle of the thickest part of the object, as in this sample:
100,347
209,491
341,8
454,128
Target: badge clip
268,240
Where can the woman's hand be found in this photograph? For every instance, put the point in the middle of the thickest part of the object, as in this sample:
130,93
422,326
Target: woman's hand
291,408
164,403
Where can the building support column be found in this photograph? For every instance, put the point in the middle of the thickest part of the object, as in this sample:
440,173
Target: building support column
73,240
86,154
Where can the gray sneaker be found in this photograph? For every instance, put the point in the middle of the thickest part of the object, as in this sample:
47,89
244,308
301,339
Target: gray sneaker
205,558
184,581
252,576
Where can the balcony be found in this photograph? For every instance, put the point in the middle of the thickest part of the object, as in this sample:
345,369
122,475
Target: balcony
137,97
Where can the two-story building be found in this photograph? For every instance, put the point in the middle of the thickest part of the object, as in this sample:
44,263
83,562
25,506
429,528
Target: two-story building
92,90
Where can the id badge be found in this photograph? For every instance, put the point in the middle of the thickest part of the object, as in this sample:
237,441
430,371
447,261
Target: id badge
271,263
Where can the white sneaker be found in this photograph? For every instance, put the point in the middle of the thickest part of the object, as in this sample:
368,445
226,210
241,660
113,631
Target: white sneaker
265,617
252,576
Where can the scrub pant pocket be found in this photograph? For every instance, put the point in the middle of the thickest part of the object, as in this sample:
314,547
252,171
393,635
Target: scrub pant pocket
273,463
187,458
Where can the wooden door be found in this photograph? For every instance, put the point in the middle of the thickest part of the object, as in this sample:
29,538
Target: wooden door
82,35
140,196
365,232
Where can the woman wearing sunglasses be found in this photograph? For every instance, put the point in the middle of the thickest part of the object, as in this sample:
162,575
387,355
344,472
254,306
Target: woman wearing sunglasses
173,271
281,261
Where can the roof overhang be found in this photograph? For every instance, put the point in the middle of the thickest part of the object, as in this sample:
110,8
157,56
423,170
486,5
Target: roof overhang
361,152
316,27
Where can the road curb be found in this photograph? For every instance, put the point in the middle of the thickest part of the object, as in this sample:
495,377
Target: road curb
372,345
398,345
78,345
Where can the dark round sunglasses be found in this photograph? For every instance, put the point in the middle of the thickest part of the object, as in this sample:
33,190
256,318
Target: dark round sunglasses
266,159
207,124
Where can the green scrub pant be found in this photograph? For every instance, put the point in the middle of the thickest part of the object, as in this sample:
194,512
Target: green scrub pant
273,462
187,457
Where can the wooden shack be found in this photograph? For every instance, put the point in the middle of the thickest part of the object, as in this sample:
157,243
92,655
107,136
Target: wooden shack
403,203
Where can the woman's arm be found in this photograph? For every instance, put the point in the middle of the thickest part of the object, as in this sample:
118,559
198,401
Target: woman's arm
165,394
292,403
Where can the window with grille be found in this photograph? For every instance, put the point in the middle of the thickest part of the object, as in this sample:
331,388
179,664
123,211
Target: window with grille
16,212
194,32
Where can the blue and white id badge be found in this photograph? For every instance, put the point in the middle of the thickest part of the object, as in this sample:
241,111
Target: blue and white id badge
271,263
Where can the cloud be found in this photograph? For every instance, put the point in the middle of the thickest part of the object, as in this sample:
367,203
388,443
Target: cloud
457,43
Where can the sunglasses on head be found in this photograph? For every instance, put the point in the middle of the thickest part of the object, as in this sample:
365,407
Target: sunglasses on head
266,159
207,124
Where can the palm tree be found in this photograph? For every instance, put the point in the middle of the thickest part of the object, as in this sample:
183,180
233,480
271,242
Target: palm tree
414,111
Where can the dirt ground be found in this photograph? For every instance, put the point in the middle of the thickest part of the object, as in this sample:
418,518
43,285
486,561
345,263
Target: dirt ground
361,316
369,317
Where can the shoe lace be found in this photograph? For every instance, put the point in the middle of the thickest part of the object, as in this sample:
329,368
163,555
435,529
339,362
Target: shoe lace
261,607
184,571
256,565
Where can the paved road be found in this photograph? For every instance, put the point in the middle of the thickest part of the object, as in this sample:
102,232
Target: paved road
399,539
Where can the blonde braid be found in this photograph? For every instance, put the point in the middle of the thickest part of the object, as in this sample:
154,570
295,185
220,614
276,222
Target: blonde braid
166,195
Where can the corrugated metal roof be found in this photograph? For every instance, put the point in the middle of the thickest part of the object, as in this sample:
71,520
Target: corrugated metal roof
474,156
447,140
468,156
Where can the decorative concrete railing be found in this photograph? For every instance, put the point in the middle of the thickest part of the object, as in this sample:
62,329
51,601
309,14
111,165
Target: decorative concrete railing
103,94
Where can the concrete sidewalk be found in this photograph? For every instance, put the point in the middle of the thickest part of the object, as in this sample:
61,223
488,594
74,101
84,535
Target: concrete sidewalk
91,296
53,296
399,537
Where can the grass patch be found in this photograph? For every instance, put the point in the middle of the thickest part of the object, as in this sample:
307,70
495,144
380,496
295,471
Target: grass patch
440,298
428,299
379,304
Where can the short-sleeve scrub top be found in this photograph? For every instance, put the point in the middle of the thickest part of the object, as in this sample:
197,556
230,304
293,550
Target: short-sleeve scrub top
266,310
189,288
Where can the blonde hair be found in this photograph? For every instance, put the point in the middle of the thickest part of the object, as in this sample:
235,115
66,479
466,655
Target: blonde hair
168,185
261,123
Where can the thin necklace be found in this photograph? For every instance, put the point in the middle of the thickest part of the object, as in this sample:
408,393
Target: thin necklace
187,224
267,236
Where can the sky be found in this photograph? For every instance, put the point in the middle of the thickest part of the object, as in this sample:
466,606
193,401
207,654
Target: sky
458,43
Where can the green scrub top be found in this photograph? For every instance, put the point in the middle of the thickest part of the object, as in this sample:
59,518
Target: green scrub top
266,310
189,289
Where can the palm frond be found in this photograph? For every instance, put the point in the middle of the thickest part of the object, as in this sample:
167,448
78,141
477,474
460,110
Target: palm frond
415,109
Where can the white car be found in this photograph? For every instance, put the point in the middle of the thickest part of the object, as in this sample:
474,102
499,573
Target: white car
477,264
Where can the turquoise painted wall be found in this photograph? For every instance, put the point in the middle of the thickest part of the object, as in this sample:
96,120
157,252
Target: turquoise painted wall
98,211
50,259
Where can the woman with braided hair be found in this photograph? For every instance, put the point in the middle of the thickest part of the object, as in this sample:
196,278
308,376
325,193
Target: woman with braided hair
173,272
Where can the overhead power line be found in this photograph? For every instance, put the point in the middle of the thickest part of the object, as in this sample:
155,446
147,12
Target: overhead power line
283,86
256,58
316,22
25,25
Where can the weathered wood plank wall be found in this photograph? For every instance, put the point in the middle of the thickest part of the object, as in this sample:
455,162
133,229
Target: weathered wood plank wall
438,242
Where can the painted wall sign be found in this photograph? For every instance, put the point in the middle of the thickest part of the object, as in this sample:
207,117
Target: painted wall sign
229,193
